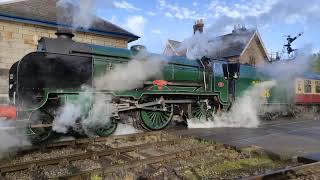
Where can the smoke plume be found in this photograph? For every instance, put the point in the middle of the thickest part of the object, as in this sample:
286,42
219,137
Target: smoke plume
244,112
287,69
209,45
79,14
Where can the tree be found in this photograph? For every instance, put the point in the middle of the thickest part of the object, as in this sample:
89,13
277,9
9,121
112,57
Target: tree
316,63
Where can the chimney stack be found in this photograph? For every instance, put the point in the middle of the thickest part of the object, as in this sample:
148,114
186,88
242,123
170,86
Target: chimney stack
198,26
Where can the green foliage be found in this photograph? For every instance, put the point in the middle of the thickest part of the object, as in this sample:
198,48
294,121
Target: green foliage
316,64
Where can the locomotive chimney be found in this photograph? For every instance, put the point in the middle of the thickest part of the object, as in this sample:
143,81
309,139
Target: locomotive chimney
198,26
64,34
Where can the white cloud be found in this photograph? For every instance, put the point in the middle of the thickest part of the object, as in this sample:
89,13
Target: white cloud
150,13
125,5
246,9
194,4
136,24
258,13
9,1
168,15
156,31
175,11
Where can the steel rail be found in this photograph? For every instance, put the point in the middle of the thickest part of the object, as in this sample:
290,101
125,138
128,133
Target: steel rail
81,156
138,163
88,141
305,171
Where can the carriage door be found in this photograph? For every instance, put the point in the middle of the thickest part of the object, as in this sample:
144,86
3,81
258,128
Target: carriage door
231,72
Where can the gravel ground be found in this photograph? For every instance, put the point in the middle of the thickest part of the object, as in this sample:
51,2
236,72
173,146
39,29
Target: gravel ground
217,162
51,154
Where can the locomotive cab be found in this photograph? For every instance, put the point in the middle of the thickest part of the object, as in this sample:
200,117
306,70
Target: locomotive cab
231,73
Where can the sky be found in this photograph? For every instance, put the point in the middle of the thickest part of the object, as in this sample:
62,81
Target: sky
158,20
155,21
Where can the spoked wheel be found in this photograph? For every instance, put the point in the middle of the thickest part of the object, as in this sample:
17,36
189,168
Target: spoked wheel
40,126
156,117
107,130
201,111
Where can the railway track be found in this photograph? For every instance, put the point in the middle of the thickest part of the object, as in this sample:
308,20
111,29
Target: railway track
307,171
83,142
151,155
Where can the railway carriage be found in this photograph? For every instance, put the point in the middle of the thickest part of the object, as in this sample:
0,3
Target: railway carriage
307,89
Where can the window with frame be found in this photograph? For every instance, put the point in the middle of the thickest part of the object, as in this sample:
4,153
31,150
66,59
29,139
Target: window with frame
307,86
252,60
317,86
300,85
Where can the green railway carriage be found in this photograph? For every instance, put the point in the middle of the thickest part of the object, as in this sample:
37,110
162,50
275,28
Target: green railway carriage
44,81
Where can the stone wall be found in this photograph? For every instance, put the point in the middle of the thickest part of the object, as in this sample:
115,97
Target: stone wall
253,54
19,39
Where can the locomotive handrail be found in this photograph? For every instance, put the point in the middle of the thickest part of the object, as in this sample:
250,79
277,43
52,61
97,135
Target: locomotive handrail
95,54
177,84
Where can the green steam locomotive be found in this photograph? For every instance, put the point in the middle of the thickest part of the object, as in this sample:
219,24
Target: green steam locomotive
44,81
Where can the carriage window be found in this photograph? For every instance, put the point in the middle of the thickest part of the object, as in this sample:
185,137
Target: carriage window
307,86
317,86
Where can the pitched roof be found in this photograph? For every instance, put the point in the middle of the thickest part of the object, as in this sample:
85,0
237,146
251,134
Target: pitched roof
233,44
174,44
230,45
44,12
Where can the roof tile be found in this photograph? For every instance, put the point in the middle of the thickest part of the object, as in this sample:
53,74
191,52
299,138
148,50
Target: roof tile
45,12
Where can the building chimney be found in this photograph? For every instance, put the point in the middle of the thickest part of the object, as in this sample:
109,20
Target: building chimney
239,29
198,26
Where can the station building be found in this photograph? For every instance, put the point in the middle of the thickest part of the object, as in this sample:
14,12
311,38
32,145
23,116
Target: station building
241,45
24,22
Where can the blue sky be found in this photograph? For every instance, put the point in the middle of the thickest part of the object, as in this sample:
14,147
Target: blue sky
157,20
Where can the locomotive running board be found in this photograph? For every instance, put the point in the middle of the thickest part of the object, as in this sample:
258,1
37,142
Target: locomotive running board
143,105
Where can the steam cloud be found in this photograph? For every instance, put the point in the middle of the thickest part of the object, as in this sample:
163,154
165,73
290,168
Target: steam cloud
79,14
244,112
206,44
125,129
11,138
123,77
285,70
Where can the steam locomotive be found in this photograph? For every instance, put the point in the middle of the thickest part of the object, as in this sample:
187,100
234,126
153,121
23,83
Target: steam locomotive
53,76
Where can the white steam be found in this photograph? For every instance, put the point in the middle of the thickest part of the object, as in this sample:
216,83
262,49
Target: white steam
131,75
209,45
123,77
68,114
84,18
244,112
79,14
125,129
11,138
287,69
